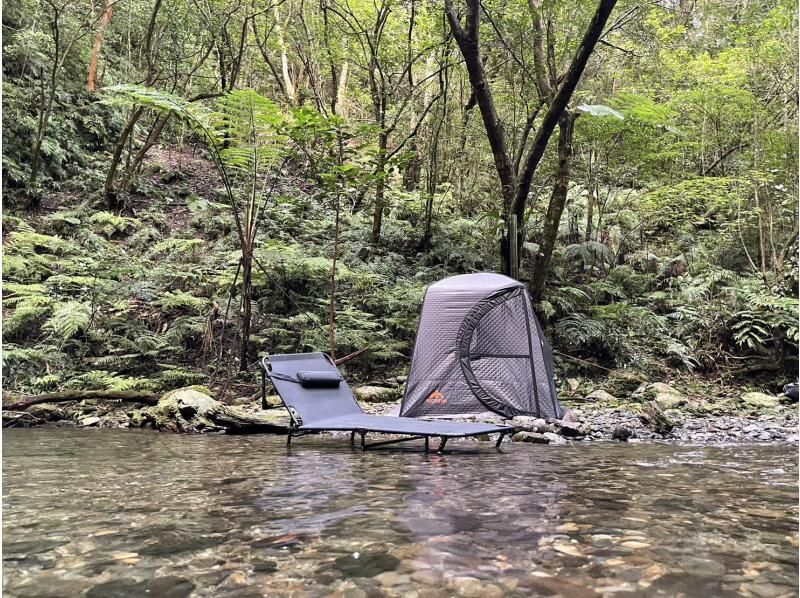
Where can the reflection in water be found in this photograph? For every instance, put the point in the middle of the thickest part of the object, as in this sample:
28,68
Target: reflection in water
110,513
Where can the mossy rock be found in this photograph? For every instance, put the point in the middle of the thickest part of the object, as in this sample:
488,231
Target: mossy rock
665,395
196,387
378,394
622,383
137,418
193,411
184,410
601,396
760,400
47,412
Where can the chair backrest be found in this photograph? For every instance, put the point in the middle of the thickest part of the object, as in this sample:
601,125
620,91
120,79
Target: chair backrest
311,404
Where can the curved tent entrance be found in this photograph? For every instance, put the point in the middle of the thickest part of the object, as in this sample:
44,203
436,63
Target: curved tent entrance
479,347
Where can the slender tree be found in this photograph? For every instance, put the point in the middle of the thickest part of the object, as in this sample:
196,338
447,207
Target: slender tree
105,19
554,92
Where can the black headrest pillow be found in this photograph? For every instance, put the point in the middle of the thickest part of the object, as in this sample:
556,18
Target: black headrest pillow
323,379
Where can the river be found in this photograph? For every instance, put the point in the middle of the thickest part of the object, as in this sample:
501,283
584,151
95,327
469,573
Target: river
110,513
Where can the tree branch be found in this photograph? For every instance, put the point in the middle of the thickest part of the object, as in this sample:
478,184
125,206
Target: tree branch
559,103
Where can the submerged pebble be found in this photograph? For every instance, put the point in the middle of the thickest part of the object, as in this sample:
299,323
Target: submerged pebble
148,515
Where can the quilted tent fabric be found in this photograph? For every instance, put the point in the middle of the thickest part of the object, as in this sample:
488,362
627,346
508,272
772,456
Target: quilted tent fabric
479,347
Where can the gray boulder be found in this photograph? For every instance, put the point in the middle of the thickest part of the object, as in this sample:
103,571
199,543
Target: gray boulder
568,429
554,438
47,411
791,392
376,394
530,437
621,433
529,424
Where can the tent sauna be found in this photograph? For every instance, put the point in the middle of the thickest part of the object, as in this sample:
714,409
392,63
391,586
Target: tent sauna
480,347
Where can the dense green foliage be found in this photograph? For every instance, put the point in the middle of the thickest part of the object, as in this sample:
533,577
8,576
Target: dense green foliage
677,250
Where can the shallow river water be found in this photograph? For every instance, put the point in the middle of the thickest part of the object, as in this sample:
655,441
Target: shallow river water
109,513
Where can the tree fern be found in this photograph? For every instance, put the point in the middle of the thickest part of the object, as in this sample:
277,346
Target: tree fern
110,224
28,312
171,375
102,380
176,301
46,382
176,245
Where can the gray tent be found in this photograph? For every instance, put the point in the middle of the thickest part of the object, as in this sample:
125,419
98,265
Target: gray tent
479,347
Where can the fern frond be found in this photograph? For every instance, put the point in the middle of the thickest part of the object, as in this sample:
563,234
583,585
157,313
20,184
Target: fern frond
28,311
68,319
175,245
179,301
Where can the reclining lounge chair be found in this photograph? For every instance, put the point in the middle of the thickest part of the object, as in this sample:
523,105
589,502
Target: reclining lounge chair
318,399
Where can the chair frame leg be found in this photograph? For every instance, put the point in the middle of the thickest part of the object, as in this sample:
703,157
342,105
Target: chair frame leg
263,389
440,450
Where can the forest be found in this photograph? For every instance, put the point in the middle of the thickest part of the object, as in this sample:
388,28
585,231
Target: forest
188,185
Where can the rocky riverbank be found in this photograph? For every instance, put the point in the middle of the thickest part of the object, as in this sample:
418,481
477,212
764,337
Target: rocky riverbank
643,411
651,412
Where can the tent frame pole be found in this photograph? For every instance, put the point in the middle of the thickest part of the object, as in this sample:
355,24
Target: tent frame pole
513,267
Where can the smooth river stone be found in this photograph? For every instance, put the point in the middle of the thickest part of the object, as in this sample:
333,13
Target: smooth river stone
174,543
264,566
367,564
170,586
14,551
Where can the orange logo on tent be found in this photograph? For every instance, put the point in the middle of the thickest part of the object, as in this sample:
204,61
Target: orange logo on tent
436,398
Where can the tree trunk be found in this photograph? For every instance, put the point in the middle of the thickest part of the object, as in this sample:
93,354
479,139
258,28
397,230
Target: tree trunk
340,106
380,189
105,19
516,186
468,42
288,84
247,305
432,182
332,307
413,170
110,193
591,199
558,200
151,140
558,106
44,119
112,201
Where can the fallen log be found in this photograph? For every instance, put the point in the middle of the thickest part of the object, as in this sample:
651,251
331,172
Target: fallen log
146,398
12,419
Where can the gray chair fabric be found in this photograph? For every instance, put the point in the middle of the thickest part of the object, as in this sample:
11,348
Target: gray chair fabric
335,409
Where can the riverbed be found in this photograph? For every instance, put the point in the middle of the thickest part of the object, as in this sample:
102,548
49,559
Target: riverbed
114,513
